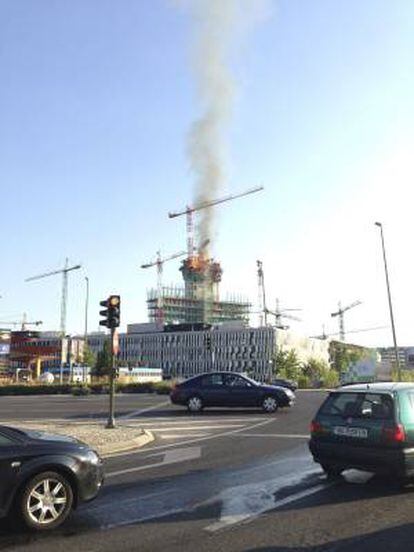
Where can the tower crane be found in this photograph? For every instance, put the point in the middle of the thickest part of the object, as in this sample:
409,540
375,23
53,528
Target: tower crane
159,263
340,313
324,335
64,271
190,210
261,294
22,323
281,313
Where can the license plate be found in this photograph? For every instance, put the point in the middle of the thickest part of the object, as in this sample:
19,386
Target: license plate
357,432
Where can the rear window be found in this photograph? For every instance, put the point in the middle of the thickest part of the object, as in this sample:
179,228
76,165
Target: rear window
359,405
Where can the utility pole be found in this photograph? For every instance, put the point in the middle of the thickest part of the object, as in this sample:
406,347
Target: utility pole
387,280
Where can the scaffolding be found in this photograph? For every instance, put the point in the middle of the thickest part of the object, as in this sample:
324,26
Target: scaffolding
180,308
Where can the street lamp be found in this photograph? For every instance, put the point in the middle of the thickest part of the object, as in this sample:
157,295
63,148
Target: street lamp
86,308
397,358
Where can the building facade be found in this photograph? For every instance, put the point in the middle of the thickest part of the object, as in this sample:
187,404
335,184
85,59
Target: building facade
182,354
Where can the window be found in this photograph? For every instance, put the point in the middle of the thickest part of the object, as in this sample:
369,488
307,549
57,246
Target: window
212,379
5,441
236,381
341,404
359,405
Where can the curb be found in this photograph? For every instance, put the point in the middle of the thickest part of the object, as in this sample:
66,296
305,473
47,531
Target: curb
144,439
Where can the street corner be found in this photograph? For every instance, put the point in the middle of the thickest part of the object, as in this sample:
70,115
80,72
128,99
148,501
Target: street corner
106,442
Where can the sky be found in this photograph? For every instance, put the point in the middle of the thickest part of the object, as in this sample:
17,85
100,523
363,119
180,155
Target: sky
96,101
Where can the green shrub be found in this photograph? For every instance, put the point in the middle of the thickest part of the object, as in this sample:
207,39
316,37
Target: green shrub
99,388
28,389
147,387
81,391
303,382
330,379
162,388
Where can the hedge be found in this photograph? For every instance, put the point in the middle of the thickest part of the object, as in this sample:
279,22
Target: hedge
161,388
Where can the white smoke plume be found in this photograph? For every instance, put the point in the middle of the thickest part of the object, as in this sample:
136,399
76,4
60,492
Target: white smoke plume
218,28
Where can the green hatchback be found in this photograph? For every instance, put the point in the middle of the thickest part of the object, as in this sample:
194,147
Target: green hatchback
368,427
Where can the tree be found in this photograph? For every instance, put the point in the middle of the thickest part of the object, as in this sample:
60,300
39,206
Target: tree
318,371
343,355
88,358
315,369
286,364
103,362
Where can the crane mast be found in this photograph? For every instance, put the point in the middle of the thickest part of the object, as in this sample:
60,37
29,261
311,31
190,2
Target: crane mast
340,314
64,298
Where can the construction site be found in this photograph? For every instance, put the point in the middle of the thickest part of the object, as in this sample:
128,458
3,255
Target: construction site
198,300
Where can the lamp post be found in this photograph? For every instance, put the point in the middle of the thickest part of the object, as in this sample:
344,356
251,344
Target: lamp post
397,358
86,307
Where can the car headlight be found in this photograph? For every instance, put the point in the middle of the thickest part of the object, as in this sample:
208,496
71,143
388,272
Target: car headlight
290,393
93,457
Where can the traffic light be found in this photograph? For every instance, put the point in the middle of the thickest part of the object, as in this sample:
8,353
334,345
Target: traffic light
207,341
112,312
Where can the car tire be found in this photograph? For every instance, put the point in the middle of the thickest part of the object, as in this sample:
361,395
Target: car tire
331,470
195,404
270,404
45,501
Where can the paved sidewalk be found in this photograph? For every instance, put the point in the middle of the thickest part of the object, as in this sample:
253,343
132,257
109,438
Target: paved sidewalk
125,437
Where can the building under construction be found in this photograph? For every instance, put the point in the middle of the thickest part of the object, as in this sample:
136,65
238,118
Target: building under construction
198,301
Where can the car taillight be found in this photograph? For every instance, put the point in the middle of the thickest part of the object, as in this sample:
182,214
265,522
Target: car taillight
394,434
315,427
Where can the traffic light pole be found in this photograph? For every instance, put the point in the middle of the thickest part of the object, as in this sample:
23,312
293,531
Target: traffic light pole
111,418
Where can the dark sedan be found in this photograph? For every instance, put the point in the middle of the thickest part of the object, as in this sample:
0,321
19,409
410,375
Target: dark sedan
229,389
44,476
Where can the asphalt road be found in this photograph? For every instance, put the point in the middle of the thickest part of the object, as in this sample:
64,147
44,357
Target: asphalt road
225,480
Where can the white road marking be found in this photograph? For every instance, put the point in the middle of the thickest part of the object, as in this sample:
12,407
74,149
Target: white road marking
192,428
199,421
142,411
170,457
181,435
190,441
282,435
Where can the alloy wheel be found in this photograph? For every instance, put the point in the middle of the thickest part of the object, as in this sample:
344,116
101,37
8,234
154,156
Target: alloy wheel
46,502
195,404
270,404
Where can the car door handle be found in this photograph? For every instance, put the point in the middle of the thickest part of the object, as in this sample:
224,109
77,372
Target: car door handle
16,464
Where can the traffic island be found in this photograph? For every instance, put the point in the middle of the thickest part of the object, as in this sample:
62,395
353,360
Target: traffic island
106,442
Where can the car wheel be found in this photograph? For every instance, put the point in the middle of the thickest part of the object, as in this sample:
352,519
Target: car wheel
332,470
46,501
195,404
270,404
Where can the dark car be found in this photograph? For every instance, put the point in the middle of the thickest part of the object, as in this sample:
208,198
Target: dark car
368,427
229,389
290,384
43,476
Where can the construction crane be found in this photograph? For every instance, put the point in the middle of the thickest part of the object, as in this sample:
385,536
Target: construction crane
340,313
159,263
281,313
22,323
190,210
64,271
261,294
324,335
